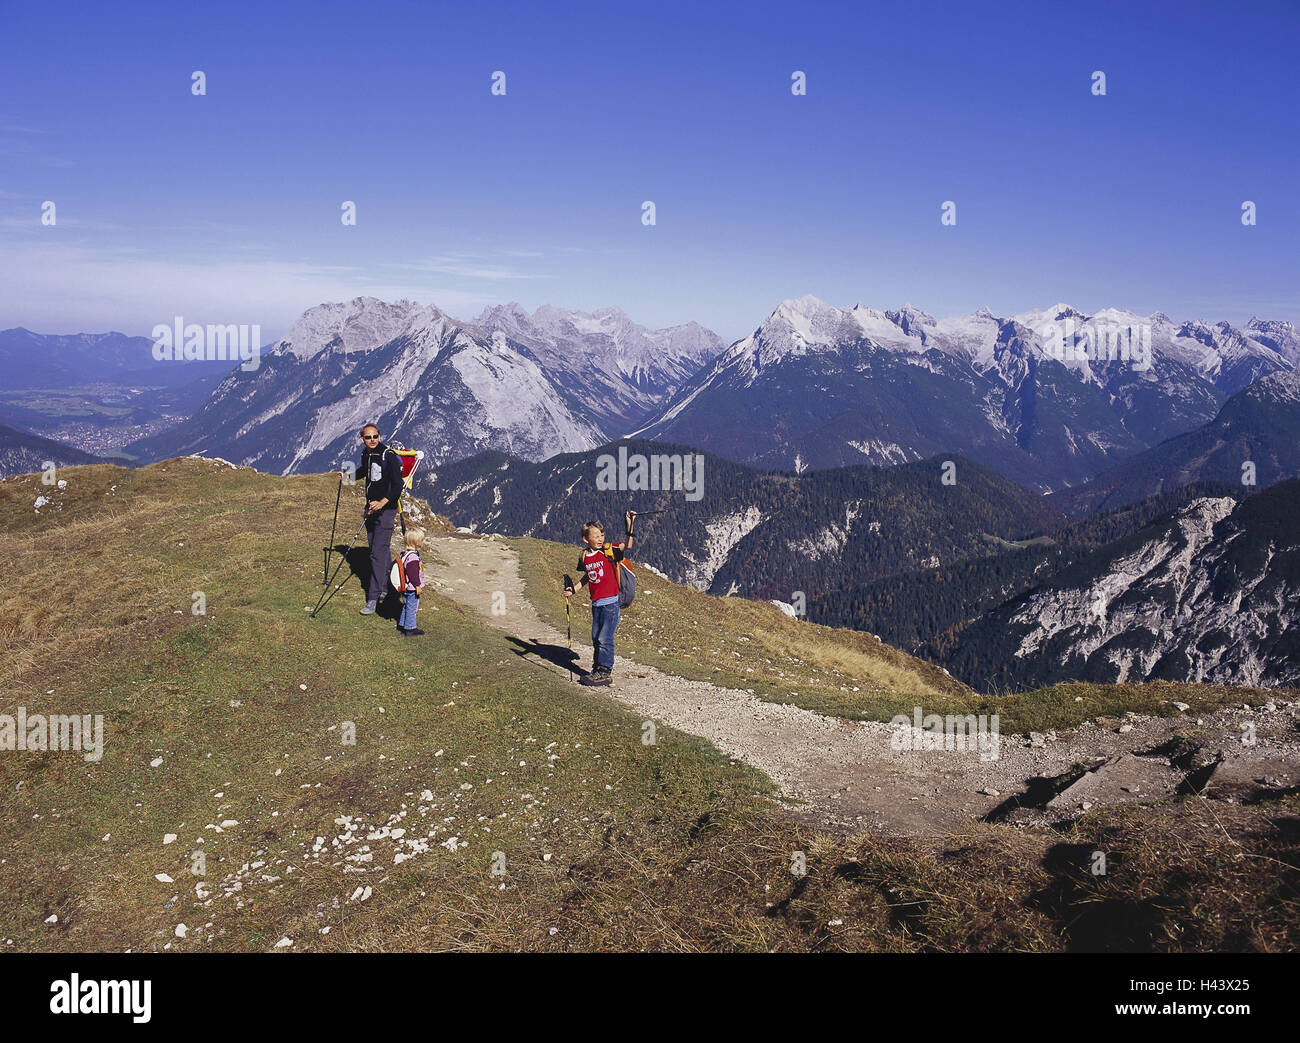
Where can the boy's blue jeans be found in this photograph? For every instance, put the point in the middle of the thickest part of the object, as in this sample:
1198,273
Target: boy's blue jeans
410,606
604,621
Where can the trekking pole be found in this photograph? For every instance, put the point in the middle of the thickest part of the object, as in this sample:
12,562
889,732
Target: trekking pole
568,620
324,600
325,579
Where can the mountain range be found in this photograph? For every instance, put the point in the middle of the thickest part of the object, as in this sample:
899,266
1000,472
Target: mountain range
812,387
754,533
1253,441
530,385
45,360
832,387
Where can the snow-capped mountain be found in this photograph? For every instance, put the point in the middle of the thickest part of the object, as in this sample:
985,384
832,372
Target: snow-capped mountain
533,386
1209,593
622,371
812,386
424,377
820,386
347,326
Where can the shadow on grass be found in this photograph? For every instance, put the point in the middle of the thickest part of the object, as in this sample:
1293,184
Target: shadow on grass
1092,921
557,655
347,563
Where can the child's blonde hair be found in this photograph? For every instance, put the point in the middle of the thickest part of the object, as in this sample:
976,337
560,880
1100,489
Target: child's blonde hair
415,538
586,529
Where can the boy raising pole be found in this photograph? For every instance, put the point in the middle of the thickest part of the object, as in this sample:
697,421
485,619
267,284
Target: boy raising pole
598,570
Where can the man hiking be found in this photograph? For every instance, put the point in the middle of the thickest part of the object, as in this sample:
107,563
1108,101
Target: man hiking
599,572
382,471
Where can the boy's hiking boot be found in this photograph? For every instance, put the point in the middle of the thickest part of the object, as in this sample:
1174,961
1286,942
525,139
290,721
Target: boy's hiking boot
369,610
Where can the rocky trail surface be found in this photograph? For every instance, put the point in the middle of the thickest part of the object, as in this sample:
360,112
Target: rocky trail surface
845,775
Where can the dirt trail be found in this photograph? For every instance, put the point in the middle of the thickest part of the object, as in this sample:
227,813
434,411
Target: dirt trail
845,774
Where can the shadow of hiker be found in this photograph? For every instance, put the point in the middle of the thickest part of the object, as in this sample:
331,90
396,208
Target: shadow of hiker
358,564
558,655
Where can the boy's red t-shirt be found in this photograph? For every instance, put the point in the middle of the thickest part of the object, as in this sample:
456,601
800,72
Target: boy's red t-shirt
602,573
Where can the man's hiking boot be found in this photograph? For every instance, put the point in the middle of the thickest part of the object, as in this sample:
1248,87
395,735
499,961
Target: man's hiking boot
413,632
369,610
598,675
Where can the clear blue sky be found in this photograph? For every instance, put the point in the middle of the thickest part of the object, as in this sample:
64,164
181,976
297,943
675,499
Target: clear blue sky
225,208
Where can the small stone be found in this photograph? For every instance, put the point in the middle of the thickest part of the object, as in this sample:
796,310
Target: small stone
1181,707
163,878
1124,728
155,762
181,930
169,838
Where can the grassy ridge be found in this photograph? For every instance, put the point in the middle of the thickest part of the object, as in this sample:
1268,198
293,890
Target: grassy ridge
664,847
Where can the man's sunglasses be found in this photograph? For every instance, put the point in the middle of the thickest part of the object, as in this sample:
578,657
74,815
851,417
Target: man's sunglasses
370,438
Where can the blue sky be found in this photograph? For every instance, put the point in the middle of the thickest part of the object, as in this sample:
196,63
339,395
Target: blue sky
225,208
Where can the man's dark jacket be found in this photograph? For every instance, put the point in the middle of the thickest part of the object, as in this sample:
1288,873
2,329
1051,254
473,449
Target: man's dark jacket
382,468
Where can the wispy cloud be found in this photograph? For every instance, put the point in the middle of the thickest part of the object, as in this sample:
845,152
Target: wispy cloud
474,266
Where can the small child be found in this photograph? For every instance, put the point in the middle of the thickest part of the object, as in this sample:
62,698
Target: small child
413,583
599,571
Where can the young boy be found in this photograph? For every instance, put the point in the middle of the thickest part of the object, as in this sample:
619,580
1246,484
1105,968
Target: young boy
599,571
413,583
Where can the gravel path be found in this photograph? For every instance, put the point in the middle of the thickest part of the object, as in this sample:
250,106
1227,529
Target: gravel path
844,775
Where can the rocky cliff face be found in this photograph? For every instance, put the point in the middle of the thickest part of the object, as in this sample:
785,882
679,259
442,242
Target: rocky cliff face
1210,593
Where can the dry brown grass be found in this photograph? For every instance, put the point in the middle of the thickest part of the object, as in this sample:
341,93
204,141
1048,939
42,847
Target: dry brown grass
671,847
